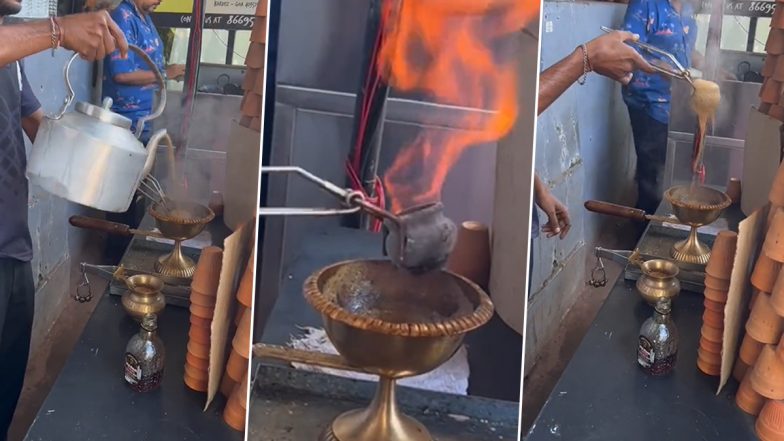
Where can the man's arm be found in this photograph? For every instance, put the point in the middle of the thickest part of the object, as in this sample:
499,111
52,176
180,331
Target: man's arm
30,108
92,35
608,55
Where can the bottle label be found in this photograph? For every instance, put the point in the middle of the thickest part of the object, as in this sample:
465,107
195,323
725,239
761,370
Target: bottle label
645,353
133,372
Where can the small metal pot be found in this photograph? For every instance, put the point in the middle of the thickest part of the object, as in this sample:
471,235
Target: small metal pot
144,296
659,280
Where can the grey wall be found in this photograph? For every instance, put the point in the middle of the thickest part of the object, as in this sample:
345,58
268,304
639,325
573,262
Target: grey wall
55,242
583,151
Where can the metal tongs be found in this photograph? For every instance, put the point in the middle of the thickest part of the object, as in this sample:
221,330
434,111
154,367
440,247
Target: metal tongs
677,71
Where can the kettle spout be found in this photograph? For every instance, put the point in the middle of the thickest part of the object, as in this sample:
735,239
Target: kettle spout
152,149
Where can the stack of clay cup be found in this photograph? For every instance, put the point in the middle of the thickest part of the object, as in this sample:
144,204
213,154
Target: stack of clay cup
237,404
204,290
717,285
776,195
238,364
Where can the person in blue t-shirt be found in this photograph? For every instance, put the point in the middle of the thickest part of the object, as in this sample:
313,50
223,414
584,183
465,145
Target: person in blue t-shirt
667,25
129,82
132,86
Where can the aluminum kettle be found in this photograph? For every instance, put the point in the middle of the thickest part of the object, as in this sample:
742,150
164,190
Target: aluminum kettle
90,156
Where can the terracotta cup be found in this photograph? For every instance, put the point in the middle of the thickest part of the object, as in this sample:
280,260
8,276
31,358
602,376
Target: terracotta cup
770,65
766,270
708,367
776,194
227,385
240,394
770,92
204,300
249,82
777,295
199,350
245,290
767,375
196,373
717,295
739,370
234,416
199,335
241,342
202,311
717,284
764,325
734,190
750,350
747,399
780,350
255,56
236,366
754,294
711,358
770,422
207,274
710,346
200,322
197,385
197,362
712,334
471,255
722,255
713,305
775,43
238,315
774,240
713,319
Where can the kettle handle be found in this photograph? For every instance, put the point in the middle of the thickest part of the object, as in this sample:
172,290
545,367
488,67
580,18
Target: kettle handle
161,91
70,95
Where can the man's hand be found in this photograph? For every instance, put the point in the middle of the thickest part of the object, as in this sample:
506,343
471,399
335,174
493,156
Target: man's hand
92,35
175,72
609,55
558,223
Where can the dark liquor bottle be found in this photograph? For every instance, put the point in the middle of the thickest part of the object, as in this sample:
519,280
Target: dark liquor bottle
144,357
657,348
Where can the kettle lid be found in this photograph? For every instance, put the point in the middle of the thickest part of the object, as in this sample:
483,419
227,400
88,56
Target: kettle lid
103,113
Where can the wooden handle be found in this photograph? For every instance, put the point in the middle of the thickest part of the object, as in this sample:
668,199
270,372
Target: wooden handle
90,223
616,210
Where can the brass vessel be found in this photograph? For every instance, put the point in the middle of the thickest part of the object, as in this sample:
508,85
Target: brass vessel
179,221
144,295
695,206
659,280
392,323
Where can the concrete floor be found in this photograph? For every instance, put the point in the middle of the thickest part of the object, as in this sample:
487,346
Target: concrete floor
549,366
49,352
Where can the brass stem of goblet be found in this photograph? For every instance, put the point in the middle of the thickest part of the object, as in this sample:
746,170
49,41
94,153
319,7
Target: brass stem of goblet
175,264
380,421
691,250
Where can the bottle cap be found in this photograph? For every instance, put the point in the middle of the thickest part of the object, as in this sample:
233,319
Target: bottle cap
663,306
150,322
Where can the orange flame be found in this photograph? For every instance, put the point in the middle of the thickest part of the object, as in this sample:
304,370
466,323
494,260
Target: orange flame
454,36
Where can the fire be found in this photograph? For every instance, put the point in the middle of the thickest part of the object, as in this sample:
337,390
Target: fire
455,37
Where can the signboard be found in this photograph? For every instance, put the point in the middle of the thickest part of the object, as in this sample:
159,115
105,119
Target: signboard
744,8
219,14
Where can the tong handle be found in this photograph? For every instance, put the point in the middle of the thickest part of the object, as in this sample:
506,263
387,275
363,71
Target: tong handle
616,210
90,223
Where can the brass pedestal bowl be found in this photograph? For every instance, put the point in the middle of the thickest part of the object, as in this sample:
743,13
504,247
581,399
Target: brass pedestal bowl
695,206
394,324
179,221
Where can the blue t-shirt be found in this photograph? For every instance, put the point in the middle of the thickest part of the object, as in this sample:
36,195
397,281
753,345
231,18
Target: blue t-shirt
133,102
17,101
658,24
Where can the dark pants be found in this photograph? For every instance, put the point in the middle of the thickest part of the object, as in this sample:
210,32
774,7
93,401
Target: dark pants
650,143
17,297
116,245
